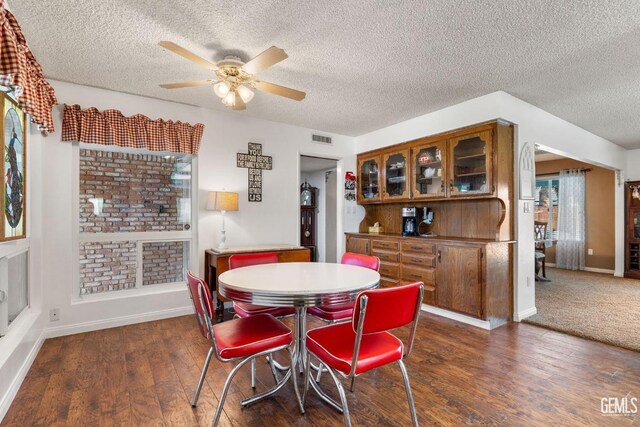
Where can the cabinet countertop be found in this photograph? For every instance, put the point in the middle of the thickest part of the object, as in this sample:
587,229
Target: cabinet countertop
431,238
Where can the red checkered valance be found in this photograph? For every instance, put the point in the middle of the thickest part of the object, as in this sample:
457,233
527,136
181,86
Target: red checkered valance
21,73
111,127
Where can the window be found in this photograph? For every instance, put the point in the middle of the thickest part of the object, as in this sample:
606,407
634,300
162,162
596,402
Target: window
546,204
134,220
14,287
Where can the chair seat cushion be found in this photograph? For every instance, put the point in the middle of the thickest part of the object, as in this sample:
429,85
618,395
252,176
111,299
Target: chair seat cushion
250,335
333,345
244,309
333,313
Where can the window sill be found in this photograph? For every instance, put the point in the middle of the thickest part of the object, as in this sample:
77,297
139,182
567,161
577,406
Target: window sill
160,289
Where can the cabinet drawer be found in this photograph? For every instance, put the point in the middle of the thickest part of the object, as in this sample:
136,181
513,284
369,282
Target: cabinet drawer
419,247
390,245
427,261
387,282
386,256
414,274
390,270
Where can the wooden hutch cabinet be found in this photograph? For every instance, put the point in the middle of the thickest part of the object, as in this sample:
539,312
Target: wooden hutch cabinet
429,170
395,179
470,164
463,164
369,189
464,256
632,230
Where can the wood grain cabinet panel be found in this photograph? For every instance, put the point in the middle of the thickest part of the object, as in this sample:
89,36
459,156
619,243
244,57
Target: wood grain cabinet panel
428,261
389,245
391,271
358,245
415,274
386,256
419,247
460,279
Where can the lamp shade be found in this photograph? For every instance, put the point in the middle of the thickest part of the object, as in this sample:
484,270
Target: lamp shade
222,201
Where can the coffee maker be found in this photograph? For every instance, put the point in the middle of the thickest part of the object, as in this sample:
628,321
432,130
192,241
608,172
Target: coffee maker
409,222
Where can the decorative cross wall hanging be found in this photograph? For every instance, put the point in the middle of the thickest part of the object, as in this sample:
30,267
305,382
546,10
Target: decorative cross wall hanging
256,163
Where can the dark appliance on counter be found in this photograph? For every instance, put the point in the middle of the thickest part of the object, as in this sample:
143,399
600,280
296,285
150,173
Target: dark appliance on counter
424,228
409,222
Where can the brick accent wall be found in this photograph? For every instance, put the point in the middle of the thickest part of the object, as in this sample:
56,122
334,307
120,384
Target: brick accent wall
164,262
137,189
139,193
107,266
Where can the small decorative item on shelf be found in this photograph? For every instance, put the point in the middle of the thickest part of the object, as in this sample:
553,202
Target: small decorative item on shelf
375,228
438,155
465,187
429,172
424,158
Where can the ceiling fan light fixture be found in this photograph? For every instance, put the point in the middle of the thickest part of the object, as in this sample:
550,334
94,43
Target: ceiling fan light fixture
230,99
245,93
221,88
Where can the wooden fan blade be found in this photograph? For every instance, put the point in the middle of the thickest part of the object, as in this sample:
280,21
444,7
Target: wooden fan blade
266,59
186,84
188,55
239,105
279,90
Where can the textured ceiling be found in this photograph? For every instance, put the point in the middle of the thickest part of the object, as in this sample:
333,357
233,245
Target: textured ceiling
366,64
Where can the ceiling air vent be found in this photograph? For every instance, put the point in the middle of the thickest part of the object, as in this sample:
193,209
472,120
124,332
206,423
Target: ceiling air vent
321,139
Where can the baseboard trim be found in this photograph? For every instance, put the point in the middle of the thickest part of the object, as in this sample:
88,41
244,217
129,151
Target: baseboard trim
11,393
526,313
456,316
59,331
599,270
589,269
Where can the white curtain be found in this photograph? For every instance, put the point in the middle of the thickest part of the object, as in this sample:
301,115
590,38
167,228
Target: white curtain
571,220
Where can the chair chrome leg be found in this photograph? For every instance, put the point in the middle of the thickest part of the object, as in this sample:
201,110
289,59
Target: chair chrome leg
194,402
253,373
343,397
273,368
295,380
225,389
407,386
320,369
353,384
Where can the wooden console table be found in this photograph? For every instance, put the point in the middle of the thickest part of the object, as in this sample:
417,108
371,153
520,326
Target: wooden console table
216,262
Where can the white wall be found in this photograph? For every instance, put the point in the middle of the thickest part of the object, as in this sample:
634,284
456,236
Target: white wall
532,124
632,172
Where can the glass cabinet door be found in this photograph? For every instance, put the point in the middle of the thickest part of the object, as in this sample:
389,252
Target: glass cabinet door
428,170
396,166
369,180
470,160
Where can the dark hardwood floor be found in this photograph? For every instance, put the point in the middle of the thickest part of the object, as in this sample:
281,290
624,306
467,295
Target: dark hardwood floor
145,374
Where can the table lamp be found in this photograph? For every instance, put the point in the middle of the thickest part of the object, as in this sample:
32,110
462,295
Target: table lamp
222,201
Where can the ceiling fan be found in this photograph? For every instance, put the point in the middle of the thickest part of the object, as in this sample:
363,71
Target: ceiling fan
234,77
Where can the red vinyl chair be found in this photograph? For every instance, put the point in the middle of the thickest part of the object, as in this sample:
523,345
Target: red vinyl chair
351,349
334,313
242,339
243,309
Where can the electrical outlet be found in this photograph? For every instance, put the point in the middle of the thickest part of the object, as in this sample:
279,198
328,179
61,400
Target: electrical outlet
54,314
589,251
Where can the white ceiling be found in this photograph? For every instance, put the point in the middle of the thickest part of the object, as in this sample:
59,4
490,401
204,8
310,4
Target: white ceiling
365,64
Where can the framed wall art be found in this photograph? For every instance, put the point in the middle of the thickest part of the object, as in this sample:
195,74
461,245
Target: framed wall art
14,178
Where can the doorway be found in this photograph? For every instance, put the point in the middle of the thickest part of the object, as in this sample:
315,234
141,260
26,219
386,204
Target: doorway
575,246
319,222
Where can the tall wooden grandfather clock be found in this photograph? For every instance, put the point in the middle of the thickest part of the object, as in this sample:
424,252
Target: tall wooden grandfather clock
308,228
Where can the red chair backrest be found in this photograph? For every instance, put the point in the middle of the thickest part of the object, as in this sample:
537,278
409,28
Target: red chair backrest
372,262
244,260
201,298
388,308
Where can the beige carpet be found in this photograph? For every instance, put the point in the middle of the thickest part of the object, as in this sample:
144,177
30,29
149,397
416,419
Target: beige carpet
590,305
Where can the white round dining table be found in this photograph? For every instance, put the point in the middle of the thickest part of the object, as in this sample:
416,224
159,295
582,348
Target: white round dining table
299,285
